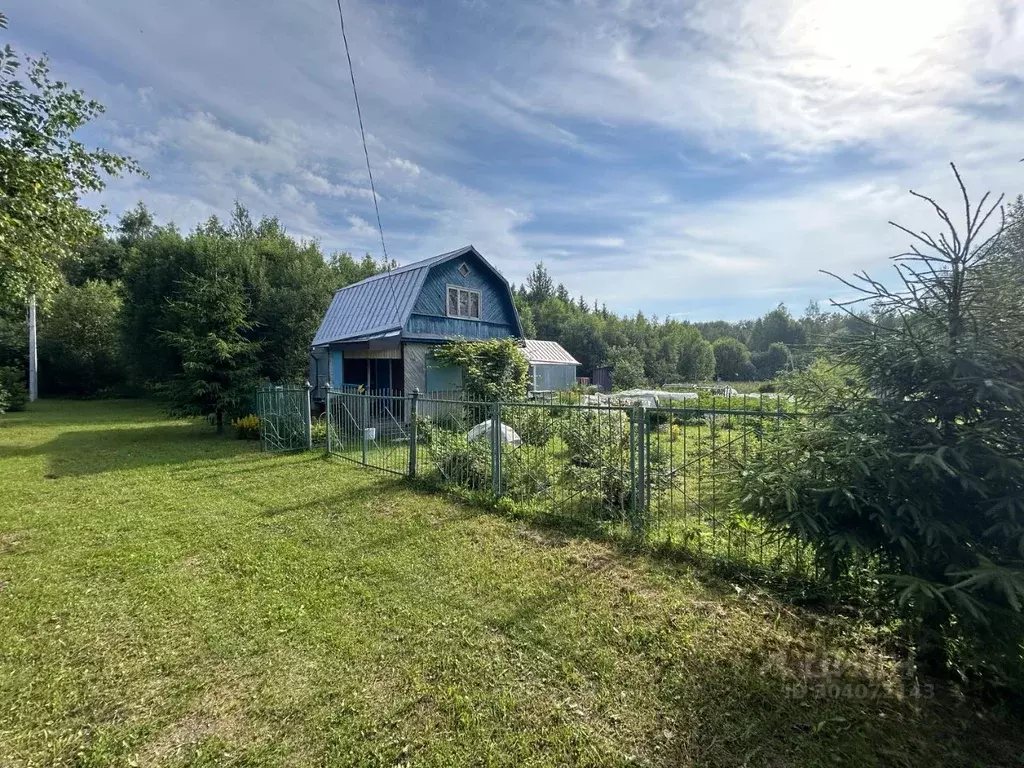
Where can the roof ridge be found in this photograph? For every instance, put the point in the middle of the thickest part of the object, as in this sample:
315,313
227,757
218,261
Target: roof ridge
421,264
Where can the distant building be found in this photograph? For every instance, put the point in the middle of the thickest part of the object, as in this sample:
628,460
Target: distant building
551,367
602,378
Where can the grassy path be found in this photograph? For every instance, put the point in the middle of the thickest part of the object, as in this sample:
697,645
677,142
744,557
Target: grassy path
169,597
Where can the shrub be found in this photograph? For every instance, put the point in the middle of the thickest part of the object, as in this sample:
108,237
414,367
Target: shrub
452,419
597,442
591,435
12,384
456,460
318,430
525,473
491,370
913,457
533,424
247,427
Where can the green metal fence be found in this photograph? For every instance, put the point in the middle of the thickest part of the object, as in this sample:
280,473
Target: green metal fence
664,473
369,428
284,414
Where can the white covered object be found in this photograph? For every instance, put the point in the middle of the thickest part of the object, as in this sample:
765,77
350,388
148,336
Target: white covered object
483,429
647,397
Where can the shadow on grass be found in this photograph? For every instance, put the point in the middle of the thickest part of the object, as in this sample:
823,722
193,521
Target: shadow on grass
763,696
73,413
95,451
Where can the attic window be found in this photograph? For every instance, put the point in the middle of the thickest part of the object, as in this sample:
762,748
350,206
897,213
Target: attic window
464,269
463,303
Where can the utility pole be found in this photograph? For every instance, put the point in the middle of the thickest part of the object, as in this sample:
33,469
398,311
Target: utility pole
33,358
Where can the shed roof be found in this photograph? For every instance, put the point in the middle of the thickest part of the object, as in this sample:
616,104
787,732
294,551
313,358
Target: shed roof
547,352
383,302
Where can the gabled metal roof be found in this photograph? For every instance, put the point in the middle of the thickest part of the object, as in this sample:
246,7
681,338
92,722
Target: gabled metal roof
383,302
547,352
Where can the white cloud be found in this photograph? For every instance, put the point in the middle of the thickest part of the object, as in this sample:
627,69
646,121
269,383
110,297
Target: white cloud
797,77
650,151
360,227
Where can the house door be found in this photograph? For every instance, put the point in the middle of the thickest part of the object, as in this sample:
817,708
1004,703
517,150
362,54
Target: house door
380,374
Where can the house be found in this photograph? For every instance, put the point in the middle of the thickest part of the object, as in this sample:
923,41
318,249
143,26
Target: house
551,367
378,333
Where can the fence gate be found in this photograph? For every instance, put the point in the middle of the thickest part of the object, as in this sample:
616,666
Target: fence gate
370,428
284,416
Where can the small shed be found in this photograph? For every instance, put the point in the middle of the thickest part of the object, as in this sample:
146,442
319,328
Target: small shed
551,367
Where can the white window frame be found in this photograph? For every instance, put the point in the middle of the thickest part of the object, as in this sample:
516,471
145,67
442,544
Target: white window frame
468,291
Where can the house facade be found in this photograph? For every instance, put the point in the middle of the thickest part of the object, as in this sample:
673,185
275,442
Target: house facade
378,333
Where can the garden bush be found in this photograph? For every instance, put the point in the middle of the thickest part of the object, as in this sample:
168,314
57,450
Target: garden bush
592,435
457,461
12,385
526,474
318,430
247,427
534,424
913,453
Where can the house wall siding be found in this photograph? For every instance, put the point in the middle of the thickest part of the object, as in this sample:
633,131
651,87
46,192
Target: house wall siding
415,356
429,313
450,327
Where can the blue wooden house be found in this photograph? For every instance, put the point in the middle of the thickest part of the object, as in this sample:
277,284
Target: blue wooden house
378,333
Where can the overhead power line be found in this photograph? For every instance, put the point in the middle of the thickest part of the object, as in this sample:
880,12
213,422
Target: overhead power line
366,152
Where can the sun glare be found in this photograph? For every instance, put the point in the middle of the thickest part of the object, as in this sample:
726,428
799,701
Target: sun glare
874,41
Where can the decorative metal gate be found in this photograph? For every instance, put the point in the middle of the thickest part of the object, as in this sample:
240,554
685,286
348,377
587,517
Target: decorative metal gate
284,413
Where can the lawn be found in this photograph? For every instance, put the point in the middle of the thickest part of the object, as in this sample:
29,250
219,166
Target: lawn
171,597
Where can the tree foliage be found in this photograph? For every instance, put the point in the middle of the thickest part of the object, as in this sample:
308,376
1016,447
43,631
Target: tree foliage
627,368
208,325
79,341
732,359
916,461
44,171
491,370
773,361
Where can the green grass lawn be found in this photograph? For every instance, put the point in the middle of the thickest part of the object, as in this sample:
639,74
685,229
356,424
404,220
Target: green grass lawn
171,597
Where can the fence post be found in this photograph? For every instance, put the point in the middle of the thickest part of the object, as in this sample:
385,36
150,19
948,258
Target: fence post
261,409
641,463
327,406
307,412
496,448
364,418
632,460
414,414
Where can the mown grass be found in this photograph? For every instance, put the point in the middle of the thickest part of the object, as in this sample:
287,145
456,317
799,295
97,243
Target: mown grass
170,597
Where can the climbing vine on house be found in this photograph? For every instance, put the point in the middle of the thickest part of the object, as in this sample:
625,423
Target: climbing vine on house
491,370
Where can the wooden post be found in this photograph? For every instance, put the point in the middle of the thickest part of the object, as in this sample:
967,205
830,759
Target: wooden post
414,413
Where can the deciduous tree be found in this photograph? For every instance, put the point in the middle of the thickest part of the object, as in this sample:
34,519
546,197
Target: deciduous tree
44,171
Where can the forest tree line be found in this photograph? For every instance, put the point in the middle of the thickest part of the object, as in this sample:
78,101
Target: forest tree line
644,350
147,309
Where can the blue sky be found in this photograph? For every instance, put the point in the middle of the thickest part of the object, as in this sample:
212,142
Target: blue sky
702,159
